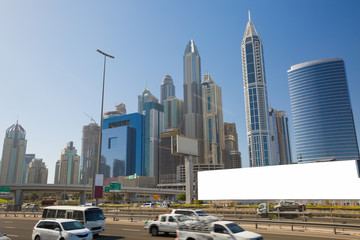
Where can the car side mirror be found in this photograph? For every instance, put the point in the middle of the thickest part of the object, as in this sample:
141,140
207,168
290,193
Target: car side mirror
58,229
226,231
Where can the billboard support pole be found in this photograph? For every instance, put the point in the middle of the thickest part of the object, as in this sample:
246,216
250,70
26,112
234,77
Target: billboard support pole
189,179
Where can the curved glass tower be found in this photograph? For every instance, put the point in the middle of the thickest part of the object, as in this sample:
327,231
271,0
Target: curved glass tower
321,111
256,104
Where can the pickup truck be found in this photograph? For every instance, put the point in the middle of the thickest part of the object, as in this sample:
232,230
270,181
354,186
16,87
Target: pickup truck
167,223
218,230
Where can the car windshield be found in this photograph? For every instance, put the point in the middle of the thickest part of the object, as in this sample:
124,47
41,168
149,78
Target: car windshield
182,218
1,235
72,225
94,214
201,213
234,228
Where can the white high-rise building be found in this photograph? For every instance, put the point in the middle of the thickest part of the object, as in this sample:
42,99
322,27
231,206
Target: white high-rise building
256,103
213,123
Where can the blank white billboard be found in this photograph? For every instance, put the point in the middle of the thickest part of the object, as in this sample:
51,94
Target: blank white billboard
185,146
323,180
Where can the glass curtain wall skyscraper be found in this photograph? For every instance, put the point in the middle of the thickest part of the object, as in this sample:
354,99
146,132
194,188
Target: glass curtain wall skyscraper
192,95
256,103
13,165
167,88
146,96
321,111
153,126
89,152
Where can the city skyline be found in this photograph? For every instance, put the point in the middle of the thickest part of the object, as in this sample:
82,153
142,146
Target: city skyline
51,55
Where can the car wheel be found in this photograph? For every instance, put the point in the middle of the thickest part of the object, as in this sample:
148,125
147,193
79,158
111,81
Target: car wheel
154,231
37,238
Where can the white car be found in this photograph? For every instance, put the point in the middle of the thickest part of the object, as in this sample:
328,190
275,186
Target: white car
60,229
146,205
3,236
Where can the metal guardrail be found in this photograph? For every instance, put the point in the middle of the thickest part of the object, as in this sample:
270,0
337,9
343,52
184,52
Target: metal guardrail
145,214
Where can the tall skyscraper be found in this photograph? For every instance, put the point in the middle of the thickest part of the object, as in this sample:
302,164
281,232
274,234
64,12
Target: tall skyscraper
146,96
37,172
173,113
232,156
28,158
256,103
192,95
68,166
13,155
212,121
122,151
321,111
284,138
89,152
167,88
153,126
274,136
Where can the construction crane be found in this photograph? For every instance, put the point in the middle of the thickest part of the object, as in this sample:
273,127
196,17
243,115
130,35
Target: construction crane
91,119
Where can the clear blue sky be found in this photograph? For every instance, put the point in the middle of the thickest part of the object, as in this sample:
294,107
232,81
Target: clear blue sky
50,72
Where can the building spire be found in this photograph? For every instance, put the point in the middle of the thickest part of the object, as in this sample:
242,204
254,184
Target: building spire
249,16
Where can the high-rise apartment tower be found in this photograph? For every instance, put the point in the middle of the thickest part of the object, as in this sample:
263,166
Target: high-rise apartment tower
192,95
256,103
167,88
37,172
68,166
212,121
146,96
13,165
89,152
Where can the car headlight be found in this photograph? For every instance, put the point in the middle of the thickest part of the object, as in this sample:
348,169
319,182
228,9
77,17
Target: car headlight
69,235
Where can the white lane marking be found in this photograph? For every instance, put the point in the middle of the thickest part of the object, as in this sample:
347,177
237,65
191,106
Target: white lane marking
132,230
9,235
10,227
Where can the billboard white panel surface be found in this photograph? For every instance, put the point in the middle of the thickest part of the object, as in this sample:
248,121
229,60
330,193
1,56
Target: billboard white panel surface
187,146
323,180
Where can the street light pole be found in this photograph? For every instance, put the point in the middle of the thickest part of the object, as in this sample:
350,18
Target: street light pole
97,168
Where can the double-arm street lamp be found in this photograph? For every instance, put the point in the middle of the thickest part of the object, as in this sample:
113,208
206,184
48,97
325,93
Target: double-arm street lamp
97,168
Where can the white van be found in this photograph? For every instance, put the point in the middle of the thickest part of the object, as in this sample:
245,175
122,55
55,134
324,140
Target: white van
91,217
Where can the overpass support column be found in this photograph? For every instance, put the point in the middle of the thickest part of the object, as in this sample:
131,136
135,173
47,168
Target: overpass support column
18,196
189,179
82,197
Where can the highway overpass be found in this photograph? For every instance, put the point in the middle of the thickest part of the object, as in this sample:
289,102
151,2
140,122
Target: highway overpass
129,192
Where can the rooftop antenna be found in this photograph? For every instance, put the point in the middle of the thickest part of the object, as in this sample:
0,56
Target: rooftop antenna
249,16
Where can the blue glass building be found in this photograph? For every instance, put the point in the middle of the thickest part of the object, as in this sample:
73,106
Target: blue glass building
321,111
122,146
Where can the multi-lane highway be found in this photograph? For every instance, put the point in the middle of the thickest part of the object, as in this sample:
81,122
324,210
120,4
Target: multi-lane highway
22,228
